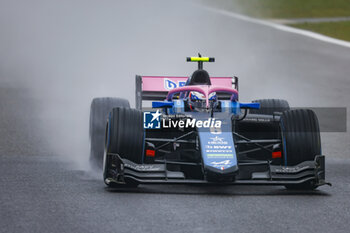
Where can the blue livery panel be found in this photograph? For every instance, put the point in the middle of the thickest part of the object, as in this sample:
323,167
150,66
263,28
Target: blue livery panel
217,146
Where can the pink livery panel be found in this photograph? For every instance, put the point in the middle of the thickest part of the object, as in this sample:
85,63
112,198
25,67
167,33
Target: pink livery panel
166,83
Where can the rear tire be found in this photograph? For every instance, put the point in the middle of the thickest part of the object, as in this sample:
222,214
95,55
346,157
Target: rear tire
125,137
99,110
269,106
262,130
300,139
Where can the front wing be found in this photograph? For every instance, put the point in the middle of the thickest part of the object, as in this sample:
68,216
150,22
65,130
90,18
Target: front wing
250,173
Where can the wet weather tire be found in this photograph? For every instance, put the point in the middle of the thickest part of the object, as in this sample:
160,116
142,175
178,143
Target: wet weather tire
125,137
269,106
126,134
301,140
99,110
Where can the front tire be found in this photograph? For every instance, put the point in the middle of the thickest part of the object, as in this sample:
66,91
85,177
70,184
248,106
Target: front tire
125,137
300,139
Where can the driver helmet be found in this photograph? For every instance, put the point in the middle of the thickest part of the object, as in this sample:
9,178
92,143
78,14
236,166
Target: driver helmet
197,100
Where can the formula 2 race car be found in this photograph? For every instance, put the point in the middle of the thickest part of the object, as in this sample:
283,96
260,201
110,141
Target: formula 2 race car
197,132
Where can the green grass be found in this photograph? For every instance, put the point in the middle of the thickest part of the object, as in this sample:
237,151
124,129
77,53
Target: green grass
295,8
340,30
285,8
289,9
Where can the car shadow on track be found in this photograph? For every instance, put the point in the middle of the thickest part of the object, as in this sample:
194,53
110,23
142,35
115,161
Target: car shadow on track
218,190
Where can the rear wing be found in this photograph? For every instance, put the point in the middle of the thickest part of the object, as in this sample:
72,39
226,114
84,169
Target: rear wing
153,88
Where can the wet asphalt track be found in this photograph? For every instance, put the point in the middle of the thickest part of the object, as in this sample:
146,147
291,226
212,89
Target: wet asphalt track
56,56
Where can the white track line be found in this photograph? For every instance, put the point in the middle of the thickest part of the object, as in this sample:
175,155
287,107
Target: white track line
285,28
